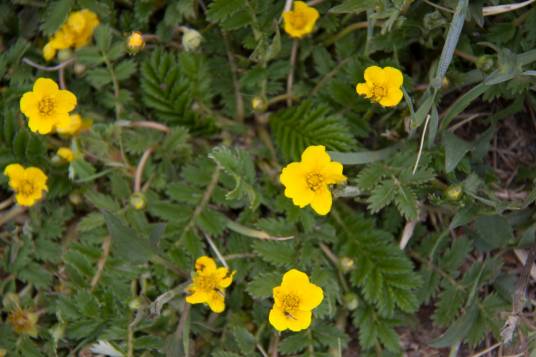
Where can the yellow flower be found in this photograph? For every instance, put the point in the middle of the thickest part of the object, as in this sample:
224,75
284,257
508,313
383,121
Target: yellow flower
294,300
75,32
301,21
209,283
74,126
382,85
28,183
47,106
135,41
307,182
23,322
66,154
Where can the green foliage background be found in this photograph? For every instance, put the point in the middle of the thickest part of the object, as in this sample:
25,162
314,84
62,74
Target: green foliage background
98,269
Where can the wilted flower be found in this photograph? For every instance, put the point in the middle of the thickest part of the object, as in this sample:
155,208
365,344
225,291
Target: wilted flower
23,322
191,39
209,284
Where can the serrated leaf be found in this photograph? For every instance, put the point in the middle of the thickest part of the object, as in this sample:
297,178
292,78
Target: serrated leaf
276,253
245,340
55,15
296,128
125,69
294,343
219,10
382,195
262,284
406,202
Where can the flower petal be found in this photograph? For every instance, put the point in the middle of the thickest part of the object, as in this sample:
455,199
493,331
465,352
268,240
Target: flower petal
45,86
315,156
14,171
310,297
363,89
322,201
393,97
295,279
300,320
205,264
65,101
28,104
374,74
41,125
394,77
197,297
216,302
278,319
332,173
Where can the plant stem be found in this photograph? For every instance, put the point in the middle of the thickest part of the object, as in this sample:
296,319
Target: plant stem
236,83
290,78
140,167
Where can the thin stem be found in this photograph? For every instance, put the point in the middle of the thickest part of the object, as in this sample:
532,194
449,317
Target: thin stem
140,167
216,251
46,68
61,78
487,350
253,233
143,124
422,144
182,323
275,345
290,78
6,203
115,84
466,56
262,350
102,261
14,212
346,31
439,6
236,83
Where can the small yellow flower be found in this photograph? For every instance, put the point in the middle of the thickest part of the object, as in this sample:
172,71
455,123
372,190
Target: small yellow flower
300,21
75,32
135,41
307,182
294,300
382,85
28,183
47,106
74,126
209,283
66,154
23,322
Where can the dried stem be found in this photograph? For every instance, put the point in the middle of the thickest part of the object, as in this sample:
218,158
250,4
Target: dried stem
102,261
14,212
46,68
140,167
143,124
290,78
422,144
216,250
7,202
253,233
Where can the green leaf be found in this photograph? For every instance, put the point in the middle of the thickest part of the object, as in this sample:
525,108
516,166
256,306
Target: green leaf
353,7
382,195
276,253
494,230
363,157
245,340
103,37
55,15
406,202
455,150
125,69
262,284
458,330
294,343
463,102
296,128
126,243
219,10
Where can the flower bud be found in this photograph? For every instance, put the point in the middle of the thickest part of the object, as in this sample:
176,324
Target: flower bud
191,39
454,192
79,69
485,63
259,104
135,42
137,200
75,198
351,301
64,55
135,303
347,264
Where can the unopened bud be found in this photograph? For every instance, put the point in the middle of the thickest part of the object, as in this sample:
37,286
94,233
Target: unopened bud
135,42
347,264
135,303
64,55
351,301
485,63
75,198
454,192
445,83
259,104
79,68
191,39
137,200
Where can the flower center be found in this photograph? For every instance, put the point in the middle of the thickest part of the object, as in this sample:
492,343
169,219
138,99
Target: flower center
46,106
289,304
26,188
206,282
378,92
298,20
314,181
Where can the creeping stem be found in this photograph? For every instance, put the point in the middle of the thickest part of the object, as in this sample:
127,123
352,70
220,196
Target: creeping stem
290,78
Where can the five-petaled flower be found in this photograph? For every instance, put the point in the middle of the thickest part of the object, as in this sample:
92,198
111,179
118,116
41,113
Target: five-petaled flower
23,322
28,183
47,106
65,153
294,300
75,32
209,284
300,21
382,85
307,182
